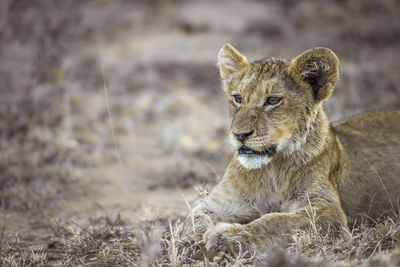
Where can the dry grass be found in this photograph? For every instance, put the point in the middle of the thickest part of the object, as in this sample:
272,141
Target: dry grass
161,243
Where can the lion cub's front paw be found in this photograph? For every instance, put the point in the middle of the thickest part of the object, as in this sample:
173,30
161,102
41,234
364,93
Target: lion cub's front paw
226,237
197,225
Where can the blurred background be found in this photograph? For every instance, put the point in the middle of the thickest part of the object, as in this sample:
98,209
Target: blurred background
62,163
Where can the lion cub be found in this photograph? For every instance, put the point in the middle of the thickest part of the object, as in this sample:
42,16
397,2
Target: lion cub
292,168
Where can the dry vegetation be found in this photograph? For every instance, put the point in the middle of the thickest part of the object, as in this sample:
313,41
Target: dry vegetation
68,197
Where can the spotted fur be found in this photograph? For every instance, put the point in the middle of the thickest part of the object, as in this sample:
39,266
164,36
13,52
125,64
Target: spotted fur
320,175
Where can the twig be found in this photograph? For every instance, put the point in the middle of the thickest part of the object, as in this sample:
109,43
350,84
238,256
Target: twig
384,186
190,209
111,125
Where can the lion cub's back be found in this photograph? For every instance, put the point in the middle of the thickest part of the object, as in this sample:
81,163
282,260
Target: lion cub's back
372,143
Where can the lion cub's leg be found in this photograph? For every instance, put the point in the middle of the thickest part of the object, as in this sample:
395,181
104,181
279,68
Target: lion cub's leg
319,207
222,204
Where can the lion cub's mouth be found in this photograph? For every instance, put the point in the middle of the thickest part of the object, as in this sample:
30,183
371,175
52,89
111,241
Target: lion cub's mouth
270,151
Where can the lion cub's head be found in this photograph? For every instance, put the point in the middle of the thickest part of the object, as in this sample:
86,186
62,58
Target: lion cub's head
274,102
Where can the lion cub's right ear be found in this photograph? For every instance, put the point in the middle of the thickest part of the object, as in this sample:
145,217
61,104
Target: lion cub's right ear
319,68
230,61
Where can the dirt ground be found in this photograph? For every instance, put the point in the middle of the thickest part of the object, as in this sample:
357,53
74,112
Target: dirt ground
112,119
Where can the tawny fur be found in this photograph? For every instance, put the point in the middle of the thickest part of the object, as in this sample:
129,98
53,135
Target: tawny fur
323,175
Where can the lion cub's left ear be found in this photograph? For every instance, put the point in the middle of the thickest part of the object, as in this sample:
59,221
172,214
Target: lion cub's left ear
230,62
319,67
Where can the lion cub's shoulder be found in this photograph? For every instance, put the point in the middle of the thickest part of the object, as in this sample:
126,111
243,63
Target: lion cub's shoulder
372,143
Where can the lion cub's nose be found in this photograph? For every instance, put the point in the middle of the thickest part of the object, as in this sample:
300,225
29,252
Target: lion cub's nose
243,136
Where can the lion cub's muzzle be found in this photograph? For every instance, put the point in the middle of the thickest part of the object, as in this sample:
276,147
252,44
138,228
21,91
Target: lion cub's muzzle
246,150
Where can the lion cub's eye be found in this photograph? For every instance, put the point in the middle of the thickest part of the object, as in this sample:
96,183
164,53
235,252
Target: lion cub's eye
237,98
272,100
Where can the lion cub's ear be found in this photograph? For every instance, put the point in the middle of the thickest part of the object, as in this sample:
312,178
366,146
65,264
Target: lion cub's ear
230,61
319,67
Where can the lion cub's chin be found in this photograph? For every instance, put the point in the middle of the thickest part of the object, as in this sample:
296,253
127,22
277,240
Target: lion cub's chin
253,162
